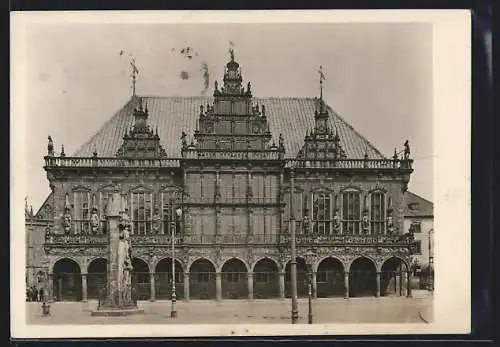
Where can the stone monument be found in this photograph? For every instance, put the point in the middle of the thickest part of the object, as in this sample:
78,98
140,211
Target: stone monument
118,300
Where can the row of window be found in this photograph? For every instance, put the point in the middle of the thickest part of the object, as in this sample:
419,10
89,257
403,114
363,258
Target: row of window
145,217
327,217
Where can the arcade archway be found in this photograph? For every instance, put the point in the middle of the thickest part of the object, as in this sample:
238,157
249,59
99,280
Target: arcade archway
392,277
330,278
96,277
234,279
163,279
202,279
140,279
362,278
302,280
67,280
265,279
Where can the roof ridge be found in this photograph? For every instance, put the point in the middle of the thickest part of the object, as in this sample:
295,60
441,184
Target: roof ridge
422,198
355,131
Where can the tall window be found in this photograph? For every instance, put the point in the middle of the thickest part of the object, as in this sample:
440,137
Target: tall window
82,211
321,213
142,207
351,212
377,213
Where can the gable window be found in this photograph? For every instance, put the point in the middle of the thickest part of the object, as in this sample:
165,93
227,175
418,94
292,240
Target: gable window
415,227
82,212
351,212
142,209
321,213
377,213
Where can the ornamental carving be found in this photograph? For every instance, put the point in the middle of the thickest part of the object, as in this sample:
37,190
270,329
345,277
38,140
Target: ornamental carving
67,221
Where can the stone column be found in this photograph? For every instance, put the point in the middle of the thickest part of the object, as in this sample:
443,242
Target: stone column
314,286
378,284
218,286
152,286
282,284
408,285
346,285
250,285
186,286
84,287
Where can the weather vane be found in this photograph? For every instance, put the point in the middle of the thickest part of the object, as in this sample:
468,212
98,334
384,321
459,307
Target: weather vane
134,74
321,79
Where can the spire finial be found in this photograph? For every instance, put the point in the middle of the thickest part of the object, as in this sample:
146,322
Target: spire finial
231,50
134,74
321,79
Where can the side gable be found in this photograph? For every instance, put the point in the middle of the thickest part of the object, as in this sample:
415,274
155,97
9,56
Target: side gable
44,212
416,206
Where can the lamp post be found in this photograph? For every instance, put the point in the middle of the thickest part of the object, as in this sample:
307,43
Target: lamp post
293,261
431,263
45,304
309,292
178,214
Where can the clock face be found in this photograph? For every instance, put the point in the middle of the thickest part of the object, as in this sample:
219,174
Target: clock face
321,127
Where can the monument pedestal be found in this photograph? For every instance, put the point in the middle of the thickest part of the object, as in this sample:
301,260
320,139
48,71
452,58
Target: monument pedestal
118,301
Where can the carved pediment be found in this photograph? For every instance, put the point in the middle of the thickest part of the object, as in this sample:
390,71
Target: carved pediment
141,188
81,188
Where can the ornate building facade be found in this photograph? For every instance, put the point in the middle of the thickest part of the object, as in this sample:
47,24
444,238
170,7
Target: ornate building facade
232,164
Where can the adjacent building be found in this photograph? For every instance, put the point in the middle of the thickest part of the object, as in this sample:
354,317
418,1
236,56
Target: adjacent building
228,176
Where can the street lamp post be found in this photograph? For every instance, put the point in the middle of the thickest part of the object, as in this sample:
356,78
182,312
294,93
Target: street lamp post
431,264
309,292
178,214
293,261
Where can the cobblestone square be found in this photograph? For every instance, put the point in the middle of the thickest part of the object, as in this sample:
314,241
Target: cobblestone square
363,310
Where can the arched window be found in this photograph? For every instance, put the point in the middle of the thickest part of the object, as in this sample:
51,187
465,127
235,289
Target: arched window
322,213
377,212
351,212
142,211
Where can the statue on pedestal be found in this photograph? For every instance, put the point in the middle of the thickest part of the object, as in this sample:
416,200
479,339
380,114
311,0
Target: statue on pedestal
94,221
336,222
125,259
156,222
389,222
66,220
365,222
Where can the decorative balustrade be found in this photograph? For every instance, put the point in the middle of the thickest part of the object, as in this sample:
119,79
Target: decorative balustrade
58,239
109,162
350,164
401,239
232,200
101,162
163,239
231,155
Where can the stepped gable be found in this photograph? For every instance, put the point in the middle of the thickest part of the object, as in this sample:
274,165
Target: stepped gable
292,117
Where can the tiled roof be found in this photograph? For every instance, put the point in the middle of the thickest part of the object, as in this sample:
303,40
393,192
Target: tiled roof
416,206
293,117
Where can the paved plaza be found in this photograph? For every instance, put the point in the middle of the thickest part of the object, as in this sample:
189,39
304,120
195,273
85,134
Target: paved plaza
337,310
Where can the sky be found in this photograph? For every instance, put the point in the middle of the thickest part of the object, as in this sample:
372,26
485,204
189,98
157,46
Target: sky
378,78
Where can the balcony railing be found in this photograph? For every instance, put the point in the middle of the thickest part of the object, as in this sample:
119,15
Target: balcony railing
232,200
109,162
